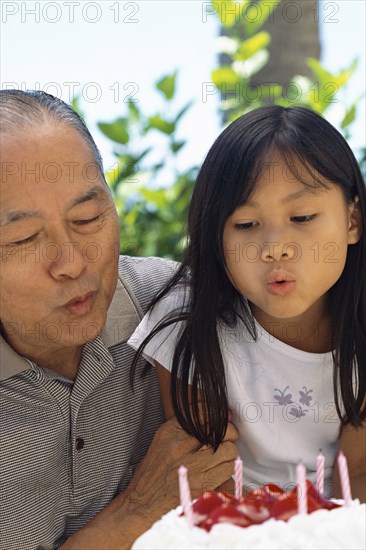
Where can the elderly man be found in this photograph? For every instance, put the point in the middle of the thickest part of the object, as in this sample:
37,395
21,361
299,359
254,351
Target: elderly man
73,429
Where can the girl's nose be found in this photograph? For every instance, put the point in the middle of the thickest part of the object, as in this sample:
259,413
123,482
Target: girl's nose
277,251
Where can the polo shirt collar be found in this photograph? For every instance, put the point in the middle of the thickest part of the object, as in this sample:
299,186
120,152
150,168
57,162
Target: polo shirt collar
122,319
10,362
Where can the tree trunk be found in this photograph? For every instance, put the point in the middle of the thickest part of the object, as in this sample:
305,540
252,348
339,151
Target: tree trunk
293,27
294,32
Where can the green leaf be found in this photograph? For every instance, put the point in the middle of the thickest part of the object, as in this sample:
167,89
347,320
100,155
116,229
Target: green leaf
320,73
229,12
160,124
349,117
142,155
177,145
116,131
224,75
325,77
246,69
183,112
167,86
257,14
134,113
327,85
157,197
75,105
123,169
346,74
126,169
252,45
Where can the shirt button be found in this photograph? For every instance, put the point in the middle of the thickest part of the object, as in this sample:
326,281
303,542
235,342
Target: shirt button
79,443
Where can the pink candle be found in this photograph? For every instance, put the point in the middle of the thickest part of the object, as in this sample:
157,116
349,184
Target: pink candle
320,472
344,478
185,495
238,477
302,501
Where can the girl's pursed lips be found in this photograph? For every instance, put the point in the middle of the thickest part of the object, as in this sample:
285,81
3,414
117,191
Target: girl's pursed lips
279,275
281,288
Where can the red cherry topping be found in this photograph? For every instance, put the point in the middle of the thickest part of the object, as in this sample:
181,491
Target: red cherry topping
226,513
320,499
258,506
207,502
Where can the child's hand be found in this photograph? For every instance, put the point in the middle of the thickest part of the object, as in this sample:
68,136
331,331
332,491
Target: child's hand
353,444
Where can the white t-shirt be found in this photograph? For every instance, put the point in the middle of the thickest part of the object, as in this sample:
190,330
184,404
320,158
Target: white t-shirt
281,398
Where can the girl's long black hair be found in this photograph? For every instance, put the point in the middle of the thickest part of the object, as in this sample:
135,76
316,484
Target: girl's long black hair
226,179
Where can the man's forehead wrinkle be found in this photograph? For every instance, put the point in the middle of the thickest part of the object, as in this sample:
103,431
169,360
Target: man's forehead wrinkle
53,136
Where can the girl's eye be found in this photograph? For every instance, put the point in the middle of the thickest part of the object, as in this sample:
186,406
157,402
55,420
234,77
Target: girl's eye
303,219
90,220
244,226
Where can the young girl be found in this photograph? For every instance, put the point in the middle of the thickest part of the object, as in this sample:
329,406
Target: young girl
265,320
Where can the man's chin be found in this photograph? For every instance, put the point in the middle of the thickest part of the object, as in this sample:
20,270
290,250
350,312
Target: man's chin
81,332
89,333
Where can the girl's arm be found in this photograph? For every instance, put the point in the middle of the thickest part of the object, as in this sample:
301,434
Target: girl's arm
353,444
164,383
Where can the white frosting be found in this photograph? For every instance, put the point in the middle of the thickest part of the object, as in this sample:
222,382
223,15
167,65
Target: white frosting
338,529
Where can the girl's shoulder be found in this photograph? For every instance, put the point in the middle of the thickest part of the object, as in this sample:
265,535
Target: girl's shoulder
175,300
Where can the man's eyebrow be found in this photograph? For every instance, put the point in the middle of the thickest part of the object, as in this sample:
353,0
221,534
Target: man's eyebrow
94,193
298,194
18,215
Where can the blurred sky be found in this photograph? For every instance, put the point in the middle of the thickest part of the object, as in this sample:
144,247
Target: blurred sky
108,51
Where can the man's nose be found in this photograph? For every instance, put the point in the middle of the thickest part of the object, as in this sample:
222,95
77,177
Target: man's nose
66,259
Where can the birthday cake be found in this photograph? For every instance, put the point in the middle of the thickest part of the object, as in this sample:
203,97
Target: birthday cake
266,518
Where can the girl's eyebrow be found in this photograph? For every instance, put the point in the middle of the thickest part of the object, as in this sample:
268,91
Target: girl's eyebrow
18,215
294,196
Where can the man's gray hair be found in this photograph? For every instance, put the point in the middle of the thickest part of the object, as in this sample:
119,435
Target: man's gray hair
28,109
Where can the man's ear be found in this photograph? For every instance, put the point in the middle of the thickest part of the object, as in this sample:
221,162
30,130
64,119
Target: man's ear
354,222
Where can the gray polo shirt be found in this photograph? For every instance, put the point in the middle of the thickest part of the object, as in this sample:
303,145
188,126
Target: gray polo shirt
67,448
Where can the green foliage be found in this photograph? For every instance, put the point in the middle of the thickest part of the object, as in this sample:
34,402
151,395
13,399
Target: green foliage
116,131
75,104
230,12
246,57
252,23
153,218
167,86
160,124
252,45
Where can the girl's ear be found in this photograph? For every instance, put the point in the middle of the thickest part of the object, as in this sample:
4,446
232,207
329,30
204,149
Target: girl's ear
354,222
